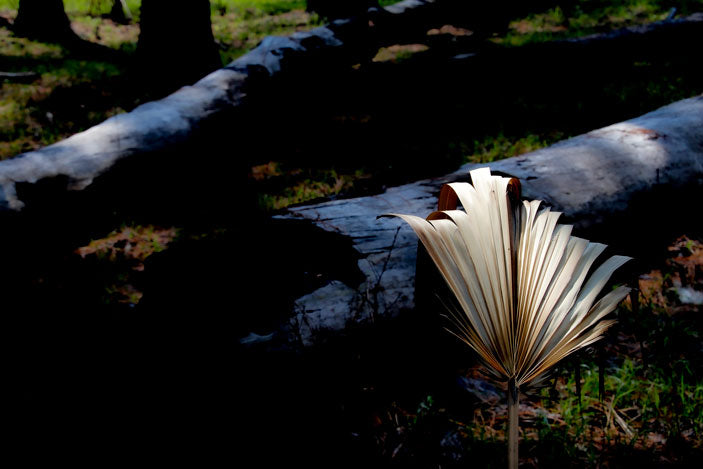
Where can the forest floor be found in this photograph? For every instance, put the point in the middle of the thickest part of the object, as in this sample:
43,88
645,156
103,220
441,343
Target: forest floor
638,401
651,408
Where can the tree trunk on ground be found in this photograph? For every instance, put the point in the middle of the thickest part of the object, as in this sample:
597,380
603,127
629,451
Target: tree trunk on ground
44,20
610,183
176,46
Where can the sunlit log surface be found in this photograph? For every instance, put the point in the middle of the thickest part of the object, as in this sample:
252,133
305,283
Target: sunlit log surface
166,124
620,183
169,122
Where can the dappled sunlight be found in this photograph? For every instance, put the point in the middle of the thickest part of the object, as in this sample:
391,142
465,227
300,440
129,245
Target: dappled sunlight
398,52
122,253
596,160
185,250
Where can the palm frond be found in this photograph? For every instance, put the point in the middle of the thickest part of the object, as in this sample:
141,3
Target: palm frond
519,277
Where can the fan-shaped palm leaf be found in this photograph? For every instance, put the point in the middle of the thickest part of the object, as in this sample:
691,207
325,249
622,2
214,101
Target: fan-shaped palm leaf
519,278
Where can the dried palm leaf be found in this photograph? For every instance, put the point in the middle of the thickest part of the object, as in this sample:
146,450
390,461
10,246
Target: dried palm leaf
519,278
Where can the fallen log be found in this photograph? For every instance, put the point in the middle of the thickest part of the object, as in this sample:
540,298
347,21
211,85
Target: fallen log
169,122
19,77
166,124
612,183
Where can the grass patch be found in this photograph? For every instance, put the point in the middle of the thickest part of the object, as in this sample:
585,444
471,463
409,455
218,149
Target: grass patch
289,186
100,7
46,110
398,52
72,95
122,253
238,33
495,147
268,7
582,17
651,412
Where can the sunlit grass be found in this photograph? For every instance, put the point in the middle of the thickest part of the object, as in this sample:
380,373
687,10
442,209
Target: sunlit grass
264,6
237,33
590,16
103,6
124,250
498,146
290,186
398,52
28,121
643,407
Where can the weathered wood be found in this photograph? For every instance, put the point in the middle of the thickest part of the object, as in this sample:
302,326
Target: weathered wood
168,123
595,179
21,77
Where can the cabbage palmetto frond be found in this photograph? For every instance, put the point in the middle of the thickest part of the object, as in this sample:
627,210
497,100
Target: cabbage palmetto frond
520,279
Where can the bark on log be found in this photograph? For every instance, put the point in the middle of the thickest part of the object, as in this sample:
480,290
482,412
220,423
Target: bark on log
602,181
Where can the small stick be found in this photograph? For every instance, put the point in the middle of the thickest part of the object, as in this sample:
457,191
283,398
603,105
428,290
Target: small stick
513,417
577,378
601,372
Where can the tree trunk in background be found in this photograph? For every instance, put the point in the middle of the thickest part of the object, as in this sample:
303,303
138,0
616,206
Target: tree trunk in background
44,20
332,9
176,46
120,12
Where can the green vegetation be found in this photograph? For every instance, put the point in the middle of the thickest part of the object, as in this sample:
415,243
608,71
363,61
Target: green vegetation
651,411
97,7
501,146
270,7
71,95
293,186
121,253
581,17
67,96
238,31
